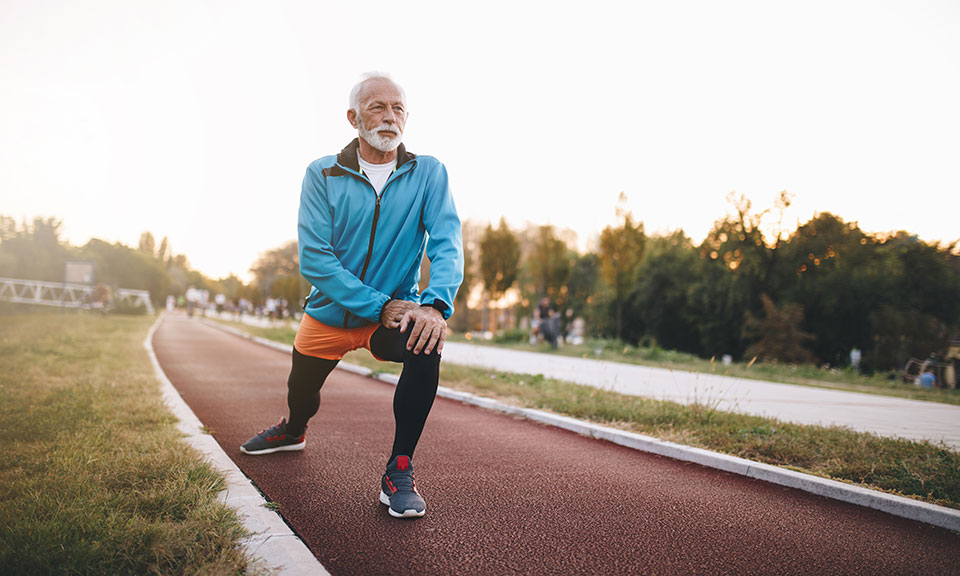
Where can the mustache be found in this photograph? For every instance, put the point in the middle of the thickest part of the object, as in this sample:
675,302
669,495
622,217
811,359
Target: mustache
386,128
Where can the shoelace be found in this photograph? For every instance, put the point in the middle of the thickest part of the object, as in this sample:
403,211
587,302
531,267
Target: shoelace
402,481
274,427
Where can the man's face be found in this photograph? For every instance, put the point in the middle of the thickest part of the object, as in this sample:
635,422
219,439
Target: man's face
382,114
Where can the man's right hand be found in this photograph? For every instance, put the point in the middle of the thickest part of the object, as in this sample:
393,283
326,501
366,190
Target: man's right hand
393,312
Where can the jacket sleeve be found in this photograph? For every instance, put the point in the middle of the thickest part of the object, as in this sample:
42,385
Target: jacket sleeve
444,245
318,262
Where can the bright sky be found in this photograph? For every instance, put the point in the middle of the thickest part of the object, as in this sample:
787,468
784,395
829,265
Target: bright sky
196,119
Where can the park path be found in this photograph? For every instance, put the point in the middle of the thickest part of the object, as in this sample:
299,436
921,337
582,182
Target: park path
510,496
883,415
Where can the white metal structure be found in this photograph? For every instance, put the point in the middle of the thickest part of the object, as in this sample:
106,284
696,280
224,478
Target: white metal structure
65,295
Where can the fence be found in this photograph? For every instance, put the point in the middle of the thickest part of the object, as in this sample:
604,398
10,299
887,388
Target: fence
66,295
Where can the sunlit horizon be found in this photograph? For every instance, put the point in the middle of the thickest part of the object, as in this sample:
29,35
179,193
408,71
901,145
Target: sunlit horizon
196,120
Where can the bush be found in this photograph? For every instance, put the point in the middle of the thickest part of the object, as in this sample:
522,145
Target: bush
122,307
511,336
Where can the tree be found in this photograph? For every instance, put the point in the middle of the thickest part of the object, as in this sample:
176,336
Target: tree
231,287
661,300
8,228
163,252
472,234
123,267
901,333
280,261
739,244
549,264
499,261
736,267
546,259
719,299
33,252
921,305
277,274
777,335
828,267
621,251
181,276
147,244
582,289
891,296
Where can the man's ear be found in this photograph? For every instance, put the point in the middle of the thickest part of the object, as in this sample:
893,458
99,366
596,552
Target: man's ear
352,117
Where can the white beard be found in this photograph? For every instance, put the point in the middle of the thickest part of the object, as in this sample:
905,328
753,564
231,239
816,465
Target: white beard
381,143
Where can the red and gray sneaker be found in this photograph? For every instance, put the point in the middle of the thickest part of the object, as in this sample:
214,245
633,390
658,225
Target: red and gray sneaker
274,439
398,490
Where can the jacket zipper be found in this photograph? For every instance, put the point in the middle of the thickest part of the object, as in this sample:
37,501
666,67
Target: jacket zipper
373,234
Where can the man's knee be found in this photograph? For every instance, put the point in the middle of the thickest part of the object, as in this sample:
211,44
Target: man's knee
388,344
391,344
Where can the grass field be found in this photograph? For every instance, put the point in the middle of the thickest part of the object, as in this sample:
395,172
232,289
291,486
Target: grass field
95,478
919,470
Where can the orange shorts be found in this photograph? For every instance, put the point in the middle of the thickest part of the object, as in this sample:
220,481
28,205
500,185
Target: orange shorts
322,341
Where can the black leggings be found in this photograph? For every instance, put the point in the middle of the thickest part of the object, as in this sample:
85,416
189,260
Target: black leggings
412,399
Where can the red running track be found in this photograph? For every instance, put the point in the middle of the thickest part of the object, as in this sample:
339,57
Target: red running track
509,496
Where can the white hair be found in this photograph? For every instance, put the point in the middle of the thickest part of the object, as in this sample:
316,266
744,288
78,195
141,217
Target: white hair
366,77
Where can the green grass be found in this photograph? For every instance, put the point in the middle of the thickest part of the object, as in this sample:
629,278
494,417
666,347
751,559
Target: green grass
95,477
918,470
804,375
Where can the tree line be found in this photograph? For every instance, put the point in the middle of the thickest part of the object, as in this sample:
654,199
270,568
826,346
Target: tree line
36,251
810,295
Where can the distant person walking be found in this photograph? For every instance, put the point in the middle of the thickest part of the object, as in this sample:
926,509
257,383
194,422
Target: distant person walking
365,215
549,321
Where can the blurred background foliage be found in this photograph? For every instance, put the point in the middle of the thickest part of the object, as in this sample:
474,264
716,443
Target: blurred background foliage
750,288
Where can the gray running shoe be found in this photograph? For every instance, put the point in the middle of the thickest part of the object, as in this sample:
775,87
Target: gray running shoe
398,490
274,439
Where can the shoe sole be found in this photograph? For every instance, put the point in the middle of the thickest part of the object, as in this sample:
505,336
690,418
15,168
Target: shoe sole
287,448
408,513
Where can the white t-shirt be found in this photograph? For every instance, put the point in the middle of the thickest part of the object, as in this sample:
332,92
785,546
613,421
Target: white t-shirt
377,173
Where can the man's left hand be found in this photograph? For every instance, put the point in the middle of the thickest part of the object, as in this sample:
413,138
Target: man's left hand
429,329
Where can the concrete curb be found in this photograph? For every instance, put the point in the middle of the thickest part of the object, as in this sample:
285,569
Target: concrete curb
271,542
940,516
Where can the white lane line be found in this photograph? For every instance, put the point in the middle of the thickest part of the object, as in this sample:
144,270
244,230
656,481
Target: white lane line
271,540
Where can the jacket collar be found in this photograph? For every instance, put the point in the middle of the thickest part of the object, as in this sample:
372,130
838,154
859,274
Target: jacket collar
348,156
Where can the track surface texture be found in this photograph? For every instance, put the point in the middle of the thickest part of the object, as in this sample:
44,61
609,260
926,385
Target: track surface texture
509,496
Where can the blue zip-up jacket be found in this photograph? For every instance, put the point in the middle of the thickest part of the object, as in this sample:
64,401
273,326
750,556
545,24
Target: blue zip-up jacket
359,251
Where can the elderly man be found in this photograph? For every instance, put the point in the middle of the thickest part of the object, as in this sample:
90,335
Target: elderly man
365,215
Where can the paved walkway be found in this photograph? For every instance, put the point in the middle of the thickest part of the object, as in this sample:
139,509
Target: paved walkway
882,415
510,496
